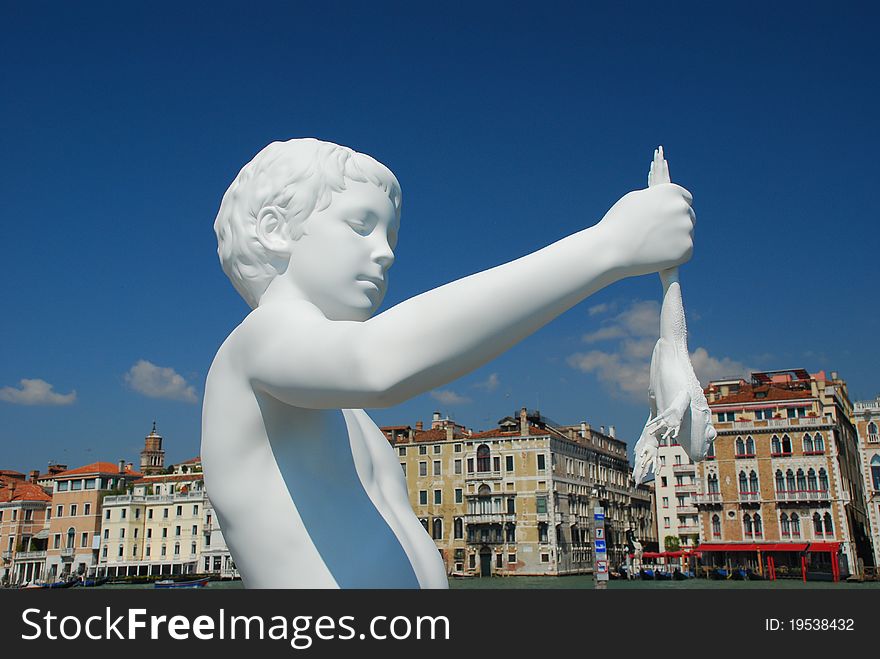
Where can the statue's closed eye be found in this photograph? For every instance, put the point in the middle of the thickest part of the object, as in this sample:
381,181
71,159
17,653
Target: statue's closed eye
361,227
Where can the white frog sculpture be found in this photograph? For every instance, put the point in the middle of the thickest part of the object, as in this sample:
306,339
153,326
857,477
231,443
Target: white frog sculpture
679,409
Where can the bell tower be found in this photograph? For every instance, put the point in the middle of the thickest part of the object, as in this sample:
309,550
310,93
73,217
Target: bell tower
153,455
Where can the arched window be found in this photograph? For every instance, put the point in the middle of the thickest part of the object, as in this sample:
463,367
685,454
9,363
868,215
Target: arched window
484,462
484,500
872,428
510,533
775,446
753,481
785,525
457,527
542,532
712,484
801,480
71,532
818,443
780,481
817,524
812,486
829,526
759,527
437,529
740,447
823,480
710,454
716,526
750,445
743,482
747,525
424,523
795,525
786,444
875,472
808,444
789,481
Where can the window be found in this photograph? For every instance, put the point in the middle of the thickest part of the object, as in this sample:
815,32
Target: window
807,444
150,514
176,530
666,502
76,485
164,531
508,463
106,534
541,505
740,447
195,530
56,540
164,551
122,533
458,528
542,464
437,449
120,551
179,511
511,506
785,525
90,483
401,451
496,463
423,497
710,454
665,522
829,527
818,444
764,414
483,461
775,446
801,480
748,529
786,445
795,525
545,558
149,533
457,467
663,481
510,533
177,549
195,510
780,481
750,446
192,549
823,478
73,510
470,465
438,497
812,486
817,524
436,467
164,513
403,467
511,558
662,460
759,528
457,448
87,509
542,532
423,468
122,513
423,450
725,417
753,482
743,482
716,526
62,486
437,529
104,552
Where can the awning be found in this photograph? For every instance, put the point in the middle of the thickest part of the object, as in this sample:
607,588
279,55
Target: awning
42,534
772,546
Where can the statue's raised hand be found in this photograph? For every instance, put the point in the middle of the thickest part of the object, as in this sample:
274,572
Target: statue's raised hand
651,230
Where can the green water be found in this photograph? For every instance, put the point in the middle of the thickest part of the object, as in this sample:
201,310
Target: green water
584,582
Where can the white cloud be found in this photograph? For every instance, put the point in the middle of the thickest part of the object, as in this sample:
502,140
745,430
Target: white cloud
595,310
489,384
159,382
35,392
449,397
626,369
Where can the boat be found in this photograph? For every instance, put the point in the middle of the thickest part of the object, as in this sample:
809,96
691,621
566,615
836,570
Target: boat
718,573
170,583
646,573
678,575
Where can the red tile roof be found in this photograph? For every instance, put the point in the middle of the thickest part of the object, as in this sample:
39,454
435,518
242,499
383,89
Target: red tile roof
23,492
98,468
497,432
748,395
198,458
169,478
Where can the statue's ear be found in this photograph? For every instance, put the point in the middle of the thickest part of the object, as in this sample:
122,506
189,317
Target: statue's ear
271,231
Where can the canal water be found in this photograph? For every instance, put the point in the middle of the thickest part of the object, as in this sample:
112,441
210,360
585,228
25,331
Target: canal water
586,582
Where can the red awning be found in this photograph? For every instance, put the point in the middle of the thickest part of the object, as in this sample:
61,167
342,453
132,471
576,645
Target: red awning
751,546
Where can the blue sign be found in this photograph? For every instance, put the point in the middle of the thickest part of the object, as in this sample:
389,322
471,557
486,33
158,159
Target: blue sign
600,546
599,517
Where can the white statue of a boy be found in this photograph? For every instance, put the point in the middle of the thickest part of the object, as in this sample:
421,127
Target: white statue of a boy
307,489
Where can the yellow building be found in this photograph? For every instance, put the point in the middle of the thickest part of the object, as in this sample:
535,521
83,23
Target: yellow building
783,476
517,499
24,510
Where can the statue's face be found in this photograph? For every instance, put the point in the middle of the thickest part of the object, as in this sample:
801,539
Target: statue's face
341,263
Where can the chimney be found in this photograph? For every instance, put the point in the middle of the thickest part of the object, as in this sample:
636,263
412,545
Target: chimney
420,426
450,431
35,475
602,429
583,429
612,432
523,423
122,466
833,376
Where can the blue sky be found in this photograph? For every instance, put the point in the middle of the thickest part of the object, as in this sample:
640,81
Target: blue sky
508,128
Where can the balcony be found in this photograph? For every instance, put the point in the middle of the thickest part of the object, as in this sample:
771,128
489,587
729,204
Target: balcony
30,555
687,509
67,553
707,498
7,555
749,497
684,468
688,530
874,438
489,518
685,487
744,456
802,495
483,476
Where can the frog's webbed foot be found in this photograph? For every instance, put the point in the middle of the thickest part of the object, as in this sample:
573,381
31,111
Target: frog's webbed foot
668,422
646,450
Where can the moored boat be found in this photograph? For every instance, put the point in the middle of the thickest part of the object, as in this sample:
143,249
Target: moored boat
170,583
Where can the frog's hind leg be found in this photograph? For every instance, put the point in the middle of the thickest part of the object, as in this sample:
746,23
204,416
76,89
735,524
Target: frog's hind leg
668,422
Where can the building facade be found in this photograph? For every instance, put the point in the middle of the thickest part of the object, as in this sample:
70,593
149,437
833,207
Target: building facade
676,487
517,499
784,470
867,421
75,524
24,516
